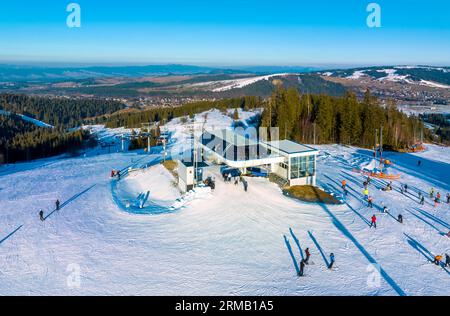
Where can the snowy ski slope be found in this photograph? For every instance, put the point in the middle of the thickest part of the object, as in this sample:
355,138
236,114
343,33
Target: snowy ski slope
231,243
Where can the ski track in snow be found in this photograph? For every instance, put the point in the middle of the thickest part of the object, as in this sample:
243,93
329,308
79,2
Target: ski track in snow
232,243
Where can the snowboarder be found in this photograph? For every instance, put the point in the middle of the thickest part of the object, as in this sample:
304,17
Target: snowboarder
302,268
331,261
437,260
308,255
41,215
57,204
447,260
400,218
374,222
370,202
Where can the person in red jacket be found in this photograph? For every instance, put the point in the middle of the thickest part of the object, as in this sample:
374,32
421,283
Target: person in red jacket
308,255
374,221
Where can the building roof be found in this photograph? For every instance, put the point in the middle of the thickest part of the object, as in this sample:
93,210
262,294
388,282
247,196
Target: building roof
232,137
290,147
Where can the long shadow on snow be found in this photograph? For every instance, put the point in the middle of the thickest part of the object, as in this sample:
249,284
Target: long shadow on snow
297,242
423,251
433,218
376,206
319,248
360,247
427,222
288,246
73,198
9,236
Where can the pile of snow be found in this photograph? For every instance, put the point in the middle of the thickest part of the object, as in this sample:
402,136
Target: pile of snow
201,192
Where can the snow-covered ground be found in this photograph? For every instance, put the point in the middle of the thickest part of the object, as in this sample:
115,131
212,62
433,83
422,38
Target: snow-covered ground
230,243
225,85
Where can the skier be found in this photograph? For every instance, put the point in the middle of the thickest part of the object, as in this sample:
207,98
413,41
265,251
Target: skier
422,200
406,188
400,218
447,260
236,181
57,204
437,260
431,193
419,163
302,268
370,202
385,210
366,193
402,190
374,222
448,198
388,187
229,177
436,202
368,180
332,260
245,185
344,185
308,255
41,215
438,197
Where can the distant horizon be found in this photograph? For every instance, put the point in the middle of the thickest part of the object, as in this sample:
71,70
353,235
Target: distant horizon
330,66
241,33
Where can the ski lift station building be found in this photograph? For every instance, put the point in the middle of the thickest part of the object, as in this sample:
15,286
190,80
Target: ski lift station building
293,162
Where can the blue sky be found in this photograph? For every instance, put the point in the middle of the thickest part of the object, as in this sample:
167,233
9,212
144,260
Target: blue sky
226,32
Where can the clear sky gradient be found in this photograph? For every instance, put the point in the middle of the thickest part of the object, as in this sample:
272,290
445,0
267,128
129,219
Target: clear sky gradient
226,32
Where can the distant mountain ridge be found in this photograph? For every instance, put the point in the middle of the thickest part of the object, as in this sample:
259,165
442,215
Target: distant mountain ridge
40,73
438,77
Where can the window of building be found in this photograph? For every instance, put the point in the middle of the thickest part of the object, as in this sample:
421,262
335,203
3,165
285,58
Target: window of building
302,167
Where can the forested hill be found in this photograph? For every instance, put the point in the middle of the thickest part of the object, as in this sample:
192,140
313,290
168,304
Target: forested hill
344,120
21,140
65,112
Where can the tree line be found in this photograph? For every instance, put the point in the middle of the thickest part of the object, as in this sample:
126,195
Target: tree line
20,140
325,119
67,112
135,119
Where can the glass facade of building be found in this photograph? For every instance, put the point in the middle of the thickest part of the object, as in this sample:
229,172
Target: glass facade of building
302,167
